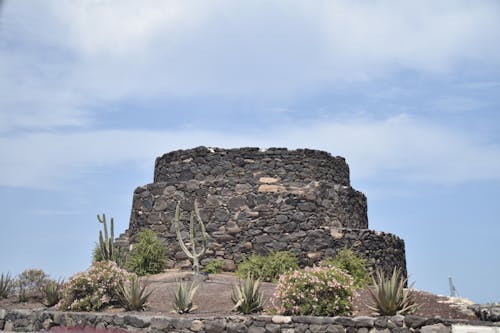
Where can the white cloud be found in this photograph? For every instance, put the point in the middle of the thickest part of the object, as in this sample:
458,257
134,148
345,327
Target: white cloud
398,148
114,49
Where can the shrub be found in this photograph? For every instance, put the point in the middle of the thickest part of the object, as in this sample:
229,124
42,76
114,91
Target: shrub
6,284
214,267
148,255
132,296
95,288
389,297
183,298
247,297
29,284
118,255
353,264
51,292
316,291
267,268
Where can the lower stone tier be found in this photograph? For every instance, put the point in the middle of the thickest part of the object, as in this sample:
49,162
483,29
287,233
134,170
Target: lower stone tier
37,320
381,250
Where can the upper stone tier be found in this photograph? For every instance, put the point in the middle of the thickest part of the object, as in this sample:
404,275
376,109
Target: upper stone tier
301,165
305,181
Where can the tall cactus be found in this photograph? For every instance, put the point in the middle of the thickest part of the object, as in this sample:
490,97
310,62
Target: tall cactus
197,250
106,244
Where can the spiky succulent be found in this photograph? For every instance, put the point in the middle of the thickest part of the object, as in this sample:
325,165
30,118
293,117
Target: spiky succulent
183,301
132,296
389,296
247,297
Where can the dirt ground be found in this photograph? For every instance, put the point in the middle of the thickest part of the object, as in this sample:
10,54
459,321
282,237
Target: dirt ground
214,298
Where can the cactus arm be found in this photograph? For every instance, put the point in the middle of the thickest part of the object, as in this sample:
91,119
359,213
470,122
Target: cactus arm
178,232
106,243
204,235
194,254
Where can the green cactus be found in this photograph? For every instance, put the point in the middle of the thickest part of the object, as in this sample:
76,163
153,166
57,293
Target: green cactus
106,244
198,250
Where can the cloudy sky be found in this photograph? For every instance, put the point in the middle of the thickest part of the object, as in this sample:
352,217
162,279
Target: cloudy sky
91,91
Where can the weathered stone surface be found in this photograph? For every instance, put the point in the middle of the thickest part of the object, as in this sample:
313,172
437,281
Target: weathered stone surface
255,201
488,312
436,328
281,319
36,320
139,322
197,325
215,325
273,328
256,329
237,327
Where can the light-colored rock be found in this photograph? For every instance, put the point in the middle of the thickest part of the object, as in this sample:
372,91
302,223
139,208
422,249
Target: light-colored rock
197,325
336,234
9,326
437,328
229,266
268,180
281,319
314,256
271,188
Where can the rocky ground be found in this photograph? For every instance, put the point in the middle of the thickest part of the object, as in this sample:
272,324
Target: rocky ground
214,298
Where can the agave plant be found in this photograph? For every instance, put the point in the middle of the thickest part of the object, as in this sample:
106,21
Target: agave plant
183,302
132,296
6,285
389,296
247,297
51,292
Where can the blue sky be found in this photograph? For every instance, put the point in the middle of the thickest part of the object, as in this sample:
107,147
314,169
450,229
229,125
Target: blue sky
408,92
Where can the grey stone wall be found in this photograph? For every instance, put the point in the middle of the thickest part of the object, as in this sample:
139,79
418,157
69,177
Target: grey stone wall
254,201
31,321
203,163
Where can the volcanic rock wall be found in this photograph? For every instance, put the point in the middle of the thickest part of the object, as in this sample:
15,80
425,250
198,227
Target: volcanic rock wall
254,201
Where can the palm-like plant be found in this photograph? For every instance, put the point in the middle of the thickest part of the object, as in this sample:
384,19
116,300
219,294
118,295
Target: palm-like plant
132,296
389,296
183,302
6,285
51,292
247,297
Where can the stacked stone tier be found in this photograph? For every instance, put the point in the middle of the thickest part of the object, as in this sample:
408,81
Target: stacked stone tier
313,220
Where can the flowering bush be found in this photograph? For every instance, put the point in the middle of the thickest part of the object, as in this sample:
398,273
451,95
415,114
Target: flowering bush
95,288
317,291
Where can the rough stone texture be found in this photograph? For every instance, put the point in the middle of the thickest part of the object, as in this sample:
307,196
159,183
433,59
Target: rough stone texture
254,201
490,312
36,320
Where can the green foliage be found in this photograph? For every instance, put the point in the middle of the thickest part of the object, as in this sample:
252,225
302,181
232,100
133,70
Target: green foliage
214,266
106,242
6,285
132,296
388,295
197,250
106,248
348,261
267,268
316,291
147,256
51,292
29,284
183,301
247,297
95,288
118,255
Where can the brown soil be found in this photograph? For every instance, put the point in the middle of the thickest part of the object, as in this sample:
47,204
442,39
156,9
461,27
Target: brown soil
213,298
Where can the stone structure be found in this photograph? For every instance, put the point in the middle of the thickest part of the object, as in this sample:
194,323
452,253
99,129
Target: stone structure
254,201
37,320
